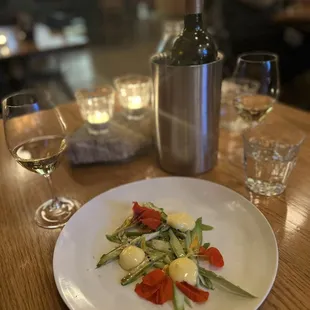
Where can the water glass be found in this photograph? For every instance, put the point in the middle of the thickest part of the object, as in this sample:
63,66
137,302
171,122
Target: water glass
96,107
270,154
134,93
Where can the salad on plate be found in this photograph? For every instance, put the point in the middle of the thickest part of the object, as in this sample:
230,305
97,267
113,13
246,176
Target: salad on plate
166,253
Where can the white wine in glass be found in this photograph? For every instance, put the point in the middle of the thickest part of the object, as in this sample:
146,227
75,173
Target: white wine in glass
253,108
40,155
261,68
36,137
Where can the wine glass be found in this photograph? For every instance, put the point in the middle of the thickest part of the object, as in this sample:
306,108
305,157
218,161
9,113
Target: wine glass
35,134
171,30
232,88
262,68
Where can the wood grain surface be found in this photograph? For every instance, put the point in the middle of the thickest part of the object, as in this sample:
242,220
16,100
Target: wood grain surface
26,251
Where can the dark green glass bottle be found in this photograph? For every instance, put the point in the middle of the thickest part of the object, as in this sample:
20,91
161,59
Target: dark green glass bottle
194,46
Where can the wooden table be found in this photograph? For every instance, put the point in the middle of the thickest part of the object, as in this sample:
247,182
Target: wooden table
26,250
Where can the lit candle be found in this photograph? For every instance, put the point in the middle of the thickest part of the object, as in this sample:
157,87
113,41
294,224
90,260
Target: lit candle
3,39
98,118
134,94
135,103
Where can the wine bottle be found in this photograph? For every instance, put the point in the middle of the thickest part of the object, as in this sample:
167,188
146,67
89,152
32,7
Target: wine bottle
194,46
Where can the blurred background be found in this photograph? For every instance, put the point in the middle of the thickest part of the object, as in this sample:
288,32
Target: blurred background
68,44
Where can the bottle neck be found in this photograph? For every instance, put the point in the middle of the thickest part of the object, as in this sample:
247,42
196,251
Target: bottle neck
194,6
193,21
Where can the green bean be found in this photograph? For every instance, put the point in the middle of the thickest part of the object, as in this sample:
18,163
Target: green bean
188,301
143,243
113,238
137,272
113,254
179,234
159,265
175,245
178,298
126,224
167,259
135,233
188,241
160,245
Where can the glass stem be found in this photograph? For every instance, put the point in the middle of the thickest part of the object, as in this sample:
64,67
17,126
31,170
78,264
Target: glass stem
55,203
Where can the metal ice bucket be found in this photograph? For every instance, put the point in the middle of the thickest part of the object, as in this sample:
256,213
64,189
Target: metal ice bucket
187,110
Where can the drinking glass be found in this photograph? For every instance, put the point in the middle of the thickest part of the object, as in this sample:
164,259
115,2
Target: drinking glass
35,136
135,94
96,107
263,69
231,88
270,154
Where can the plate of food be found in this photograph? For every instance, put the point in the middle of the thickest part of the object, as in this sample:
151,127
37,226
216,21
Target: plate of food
166,243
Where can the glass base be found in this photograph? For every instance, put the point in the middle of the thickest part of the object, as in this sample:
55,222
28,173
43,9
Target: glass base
49,216
134,114
97,129
265,188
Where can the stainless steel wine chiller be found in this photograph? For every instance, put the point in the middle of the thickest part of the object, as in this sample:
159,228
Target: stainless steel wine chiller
187,110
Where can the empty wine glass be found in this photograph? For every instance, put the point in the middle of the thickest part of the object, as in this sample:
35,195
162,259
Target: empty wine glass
263,69
36,137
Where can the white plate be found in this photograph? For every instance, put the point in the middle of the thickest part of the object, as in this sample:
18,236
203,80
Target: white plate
241,232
